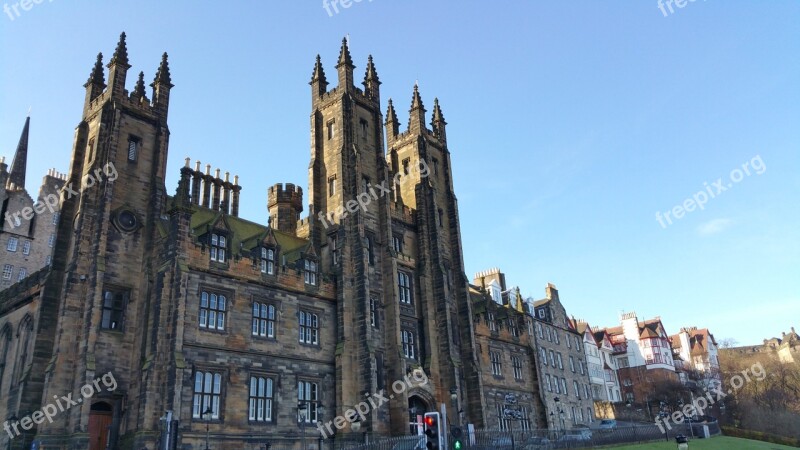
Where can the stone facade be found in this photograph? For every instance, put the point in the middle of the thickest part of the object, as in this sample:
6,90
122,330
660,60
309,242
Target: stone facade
214,327
27,231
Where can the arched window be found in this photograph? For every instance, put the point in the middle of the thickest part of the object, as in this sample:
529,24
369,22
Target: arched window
24,333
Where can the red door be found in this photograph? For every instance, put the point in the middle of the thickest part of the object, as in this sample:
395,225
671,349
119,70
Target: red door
99,425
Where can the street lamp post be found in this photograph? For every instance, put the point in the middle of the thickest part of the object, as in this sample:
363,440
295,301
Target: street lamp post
205,415
320,410
302,408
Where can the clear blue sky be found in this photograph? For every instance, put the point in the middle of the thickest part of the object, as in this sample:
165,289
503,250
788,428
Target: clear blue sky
570,125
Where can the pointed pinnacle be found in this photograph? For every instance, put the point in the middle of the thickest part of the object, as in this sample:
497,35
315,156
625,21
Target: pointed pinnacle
371,74
437,112
120,56
391,115
416,100
139,89
344,55
97,76
319,72
162,74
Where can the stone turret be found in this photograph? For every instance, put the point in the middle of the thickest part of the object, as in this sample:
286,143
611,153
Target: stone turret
285,203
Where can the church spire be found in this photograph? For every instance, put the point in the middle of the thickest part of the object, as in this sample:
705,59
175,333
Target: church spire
392,124
96,82
161,85
437,122
139,90
19,166
118,68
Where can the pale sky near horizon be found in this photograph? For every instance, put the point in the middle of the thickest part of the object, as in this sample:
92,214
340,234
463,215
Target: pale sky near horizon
570,125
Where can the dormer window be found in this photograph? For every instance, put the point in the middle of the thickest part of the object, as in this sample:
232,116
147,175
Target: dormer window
219,245
310,272
267,261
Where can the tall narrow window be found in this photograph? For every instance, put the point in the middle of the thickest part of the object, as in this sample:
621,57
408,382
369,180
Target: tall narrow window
331,129
373,312
543,352
409,346
26,330
406,163
7,269
26,248
263,320
55,219
516,363
51,240
267,261
219,246
571,363
113,309
370,250
404,285
435,166
12,244
212,311
133,148
441,218
564,386
491,322
5,344
334,250
261,396
90,150
547,382
539,330
397,243
555,336
309,328
332,186
307,395
207,393
310,272
497,364
560,362
364,127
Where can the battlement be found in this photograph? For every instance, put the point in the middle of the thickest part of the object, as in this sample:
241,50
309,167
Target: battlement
486,273
628,315
285,193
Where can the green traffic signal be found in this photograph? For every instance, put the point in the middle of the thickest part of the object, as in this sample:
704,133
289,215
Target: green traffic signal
457,445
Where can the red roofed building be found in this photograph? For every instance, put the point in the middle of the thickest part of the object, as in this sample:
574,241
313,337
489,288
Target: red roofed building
698,349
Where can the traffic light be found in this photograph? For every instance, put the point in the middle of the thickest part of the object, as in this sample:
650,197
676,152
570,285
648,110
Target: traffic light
455,432
433,430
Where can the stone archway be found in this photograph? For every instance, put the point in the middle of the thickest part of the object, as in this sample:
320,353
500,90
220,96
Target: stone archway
417,406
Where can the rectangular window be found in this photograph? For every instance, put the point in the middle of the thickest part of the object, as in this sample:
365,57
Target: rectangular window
263,320
331,129
571,363
560,363
219,246
441,218
577,344
363,127
544,355
12,244
497,364
332,186
568,342
547,333
541,313
308,396
212,311
576,388
547,382
539,330
309,328
406,163
26,248
207,393
557,386
491,321
552,358
113,309
516,363
512,326
404,285
267,261
409,346
564,386
261,396
373,312
51,240
397,243
555,336
23,272
310,272
580,364
7,269
90,150
370,250
435,166
133,148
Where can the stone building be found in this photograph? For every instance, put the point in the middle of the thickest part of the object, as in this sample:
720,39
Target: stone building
507,354
27,231
184,322
561,364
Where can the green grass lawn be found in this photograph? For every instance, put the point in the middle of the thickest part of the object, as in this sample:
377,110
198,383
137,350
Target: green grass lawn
717,443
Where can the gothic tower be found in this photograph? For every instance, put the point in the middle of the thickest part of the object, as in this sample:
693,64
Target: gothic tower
102,266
